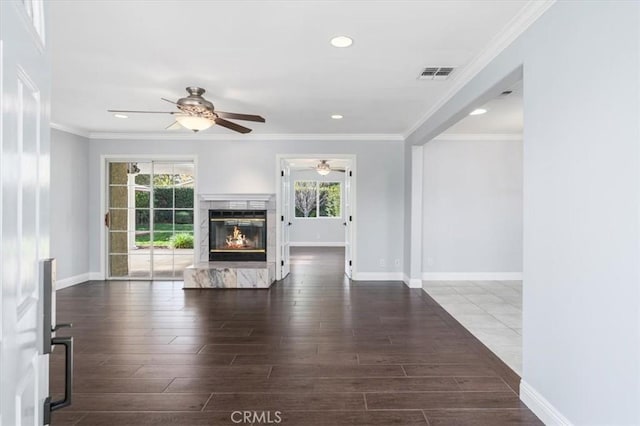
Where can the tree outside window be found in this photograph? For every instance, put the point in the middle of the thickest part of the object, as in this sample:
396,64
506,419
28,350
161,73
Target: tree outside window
317,199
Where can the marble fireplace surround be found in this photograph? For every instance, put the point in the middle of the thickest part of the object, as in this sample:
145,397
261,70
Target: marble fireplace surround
205,274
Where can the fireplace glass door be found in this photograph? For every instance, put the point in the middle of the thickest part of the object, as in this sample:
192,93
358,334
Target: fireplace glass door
237,235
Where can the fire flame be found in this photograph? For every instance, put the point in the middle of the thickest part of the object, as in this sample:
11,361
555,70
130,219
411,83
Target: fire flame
237,239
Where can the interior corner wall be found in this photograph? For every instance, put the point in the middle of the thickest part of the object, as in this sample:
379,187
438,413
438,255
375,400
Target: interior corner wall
69,212
581,203
472,209
249,166
317,231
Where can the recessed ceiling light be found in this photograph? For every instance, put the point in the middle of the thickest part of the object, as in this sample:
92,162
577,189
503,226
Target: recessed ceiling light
478,111
336,117
341,41
120,116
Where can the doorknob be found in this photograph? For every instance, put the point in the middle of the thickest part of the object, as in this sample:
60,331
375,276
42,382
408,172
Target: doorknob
344,223
290,224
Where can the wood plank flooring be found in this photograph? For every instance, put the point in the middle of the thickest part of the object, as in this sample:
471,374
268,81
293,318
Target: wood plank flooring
314,347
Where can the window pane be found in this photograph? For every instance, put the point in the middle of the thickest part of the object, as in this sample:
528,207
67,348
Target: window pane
162,264
118,242
142,197
140,265
142,220
184,220
162,239
163,220
329,199
184,197
119,265
118,219
306,197
163,175
182,242
163,198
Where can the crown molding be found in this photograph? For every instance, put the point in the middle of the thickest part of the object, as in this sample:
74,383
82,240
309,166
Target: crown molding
516,26
391,137
479,137
70,129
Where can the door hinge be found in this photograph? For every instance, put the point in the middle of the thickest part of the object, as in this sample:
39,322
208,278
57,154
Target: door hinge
282,173
350,218
282,263
281,218
350,173
350,263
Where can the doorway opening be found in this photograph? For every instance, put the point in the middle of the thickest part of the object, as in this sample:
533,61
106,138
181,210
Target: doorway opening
150,219
473,222
315,202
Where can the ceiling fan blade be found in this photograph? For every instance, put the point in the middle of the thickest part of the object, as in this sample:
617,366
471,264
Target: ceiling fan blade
141,112
174,126
233,126
168,100
236,116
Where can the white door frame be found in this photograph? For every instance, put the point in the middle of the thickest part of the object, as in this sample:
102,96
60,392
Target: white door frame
354,197
127,158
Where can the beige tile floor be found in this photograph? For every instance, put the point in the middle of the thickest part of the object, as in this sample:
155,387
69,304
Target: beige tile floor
491,310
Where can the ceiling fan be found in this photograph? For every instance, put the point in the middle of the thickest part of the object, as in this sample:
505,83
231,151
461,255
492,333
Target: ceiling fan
324,168
196,113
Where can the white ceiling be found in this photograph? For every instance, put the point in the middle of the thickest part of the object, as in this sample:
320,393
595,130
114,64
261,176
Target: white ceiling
504,116
271,58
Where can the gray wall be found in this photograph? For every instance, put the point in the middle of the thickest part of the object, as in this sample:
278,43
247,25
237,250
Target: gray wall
581,325
317,231
70,203
472,206
249,166
406,268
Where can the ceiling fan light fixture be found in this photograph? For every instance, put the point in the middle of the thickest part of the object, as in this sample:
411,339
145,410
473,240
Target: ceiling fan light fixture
193,122
323,168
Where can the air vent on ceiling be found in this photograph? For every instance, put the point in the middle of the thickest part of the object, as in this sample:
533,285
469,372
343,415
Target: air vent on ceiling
435,73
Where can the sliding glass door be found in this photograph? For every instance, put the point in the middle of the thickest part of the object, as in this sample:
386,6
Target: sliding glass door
150,219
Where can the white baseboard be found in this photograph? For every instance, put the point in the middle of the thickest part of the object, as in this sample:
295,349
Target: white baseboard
542,408
472,276
96,276
378,276
316,244
412,282
68,282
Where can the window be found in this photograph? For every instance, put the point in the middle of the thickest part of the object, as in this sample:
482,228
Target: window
317,199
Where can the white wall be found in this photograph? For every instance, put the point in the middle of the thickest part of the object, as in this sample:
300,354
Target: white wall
249,166
581,233
472,208
316,231
69,212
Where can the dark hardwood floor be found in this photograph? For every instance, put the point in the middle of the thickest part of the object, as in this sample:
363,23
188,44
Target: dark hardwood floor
315,348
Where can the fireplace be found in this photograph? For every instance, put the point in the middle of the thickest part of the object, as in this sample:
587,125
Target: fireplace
238,235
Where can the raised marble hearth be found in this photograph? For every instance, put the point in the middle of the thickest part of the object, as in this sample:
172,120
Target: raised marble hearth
229,275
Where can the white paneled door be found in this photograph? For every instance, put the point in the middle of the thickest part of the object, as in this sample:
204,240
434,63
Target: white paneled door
348,222
24,190
285,218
